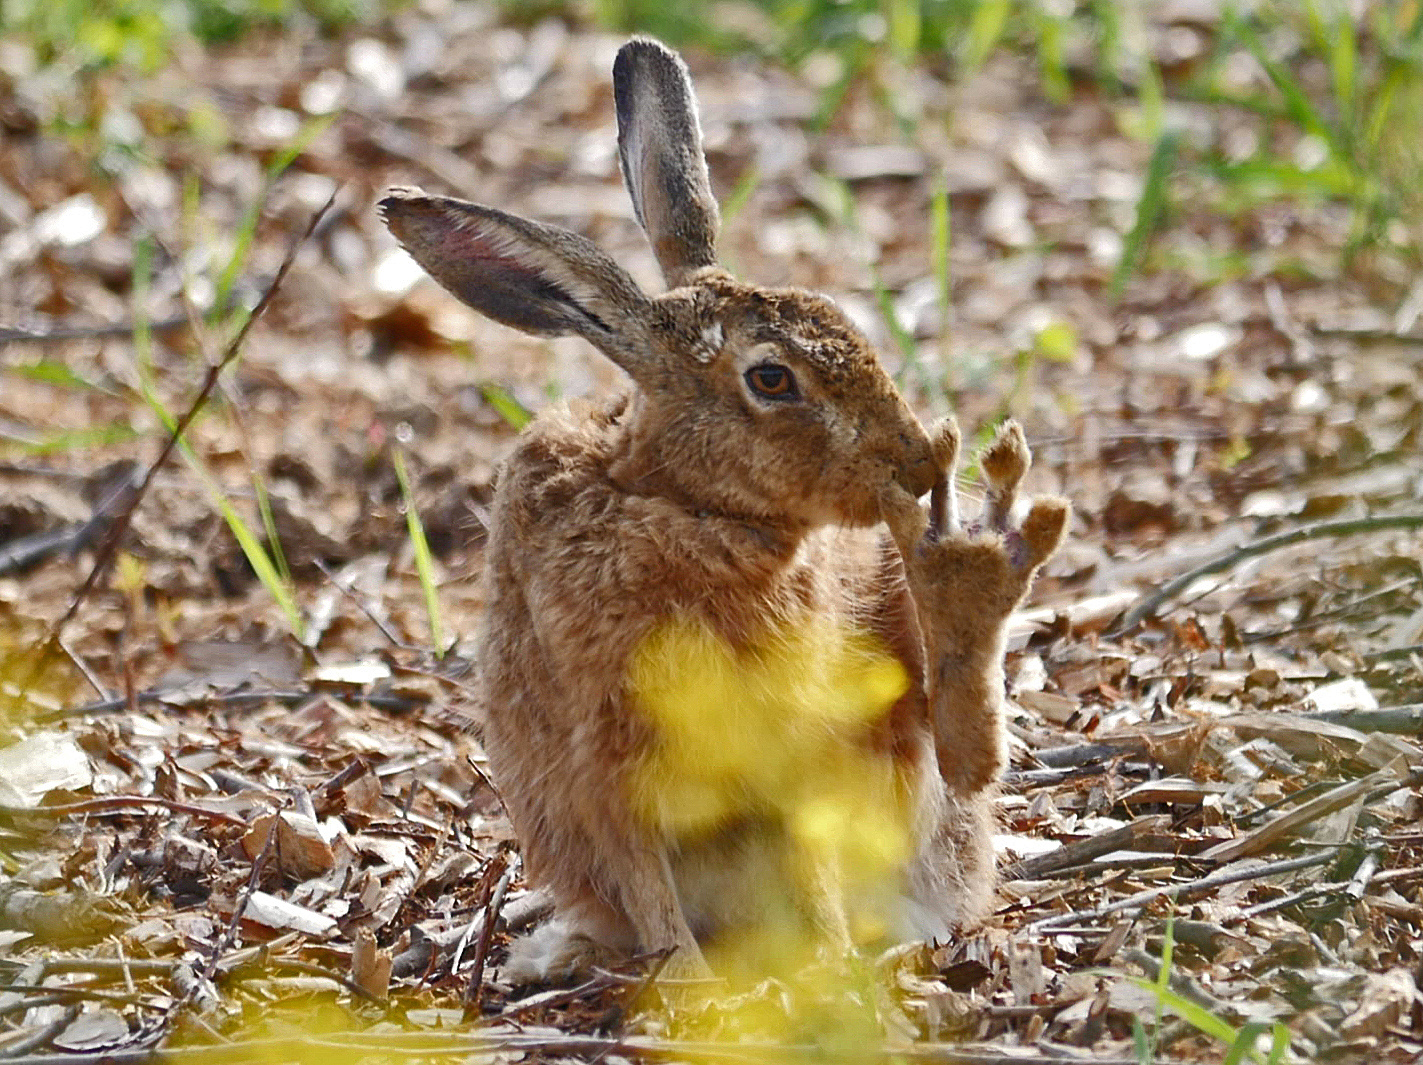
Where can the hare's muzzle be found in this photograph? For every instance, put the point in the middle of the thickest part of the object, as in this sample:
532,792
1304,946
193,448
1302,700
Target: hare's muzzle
918,471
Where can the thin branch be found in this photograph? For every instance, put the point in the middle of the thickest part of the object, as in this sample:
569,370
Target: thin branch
1148,604
110,545
61,333
475,989
152,1033
1285,901
114,803
544,1045
1085,850
1191,887
1403,720
1306,813
237,699
44,1035
103,966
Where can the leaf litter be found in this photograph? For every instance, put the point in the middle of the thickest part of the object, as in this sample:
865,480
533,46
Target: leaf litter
223,835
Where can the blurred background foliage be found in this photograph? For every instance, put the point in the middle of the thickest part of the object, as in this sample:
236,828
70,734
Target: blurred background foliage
1345,76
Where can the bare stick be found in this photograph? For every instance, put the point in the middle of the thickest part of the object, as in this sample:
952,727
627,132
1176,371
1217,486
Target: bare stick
1205,883
62,333
1148,604
475,991
543,1045
181,1002
113,803
1085,850
1306,813
1405,719
398,704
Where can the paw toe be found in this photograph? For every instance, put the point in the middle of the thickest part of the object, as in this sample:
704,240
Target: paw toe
1007,458
944,440
1044,527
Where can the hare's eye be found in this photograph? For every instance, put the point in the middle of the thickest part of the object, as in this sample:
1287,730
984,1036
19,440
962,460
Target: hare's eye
772,381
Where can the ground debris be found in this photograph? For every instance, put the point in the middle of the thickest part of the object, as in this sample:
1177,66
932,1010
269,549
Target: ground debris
223,827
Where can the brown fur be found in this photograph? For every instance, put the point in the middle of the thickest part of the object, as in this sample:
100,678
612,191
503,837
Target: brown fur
696,500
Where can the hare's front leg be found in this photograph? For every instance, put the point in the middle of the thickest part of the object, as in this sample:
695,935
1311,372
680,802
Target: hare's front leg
965,581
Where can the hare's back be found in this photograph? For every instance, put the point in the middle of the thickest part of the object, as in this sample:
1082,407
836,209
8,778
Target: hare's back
558,456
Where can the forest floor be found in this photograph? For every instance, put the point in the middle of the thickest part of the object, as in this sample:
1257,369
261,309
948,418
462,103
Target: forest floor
1211,826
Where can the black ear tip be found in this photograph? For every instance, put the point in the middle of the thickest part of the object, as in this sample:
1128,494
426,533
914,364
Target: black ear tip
647,54
640,46
396,199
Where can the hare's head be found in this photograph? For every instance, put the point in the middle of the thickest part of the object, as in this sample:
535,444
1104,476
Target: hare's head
765,403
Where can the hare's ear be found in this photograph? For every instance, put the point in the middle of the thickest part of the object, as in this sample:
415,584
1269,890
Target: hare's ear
538,278
660,145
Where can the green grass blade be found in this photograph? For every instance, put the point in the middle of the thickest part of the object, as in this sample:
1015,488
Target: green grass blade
1108,19
66,440
1298,105
985,30
1152,94
1149,210
1193,1013
841,206
257,557
903,339
941,231
1168,948
269,523
1279,1044
505,405
1140,1042
1381,104
1343,62
1052,62
424,561
1244,1042
745,187
942,235
313,128
1262,179
247,230
273,579
53,372
905,27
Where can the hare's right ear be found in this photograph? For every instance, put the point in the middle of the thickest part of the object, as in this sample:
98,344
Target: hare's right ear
660,146
538,278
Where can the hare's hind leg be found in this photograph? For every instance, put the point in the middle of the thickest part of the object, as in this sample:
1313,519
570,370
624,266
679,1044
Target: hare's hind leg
951,879
577,937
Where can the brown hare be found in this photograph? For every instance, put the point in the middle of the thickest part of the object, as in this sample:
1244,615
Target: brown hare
733,675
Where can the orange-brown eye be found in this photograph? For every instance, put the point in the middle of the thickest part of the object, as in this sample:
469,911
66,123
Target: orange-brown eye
772,381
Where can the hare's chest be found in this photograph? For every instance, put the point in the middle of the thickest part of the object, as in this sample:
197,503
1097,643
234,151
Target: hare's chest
773,727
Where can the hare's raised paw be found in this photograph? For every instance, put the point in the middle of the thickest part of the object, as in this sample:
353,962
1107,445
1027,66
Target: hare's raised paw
1004,464
975,573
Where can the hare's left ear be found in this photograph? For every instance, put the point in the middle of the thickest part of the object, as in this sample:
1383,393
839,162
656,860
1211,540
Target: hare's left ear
660,146
539,278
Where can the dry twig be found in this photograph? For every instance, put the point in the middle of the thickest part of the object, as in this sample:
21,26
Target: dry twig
108,548
1148,604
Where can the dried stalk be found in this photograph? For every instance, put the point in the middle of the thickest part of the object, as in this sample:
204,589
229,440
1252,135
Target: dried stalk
1148,604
